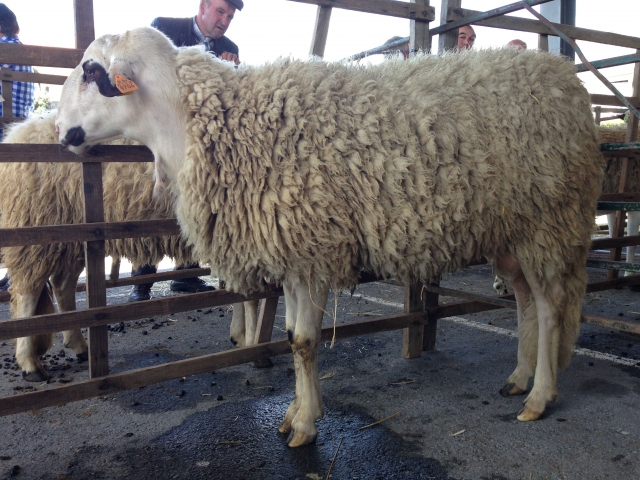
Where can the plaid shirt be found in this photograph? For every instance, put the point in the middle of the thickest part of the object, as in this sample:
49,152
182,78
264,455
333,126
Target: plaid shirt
23,92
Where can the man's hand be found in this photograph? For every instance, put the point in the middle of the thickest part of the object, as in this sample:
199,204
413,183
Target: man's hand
231,57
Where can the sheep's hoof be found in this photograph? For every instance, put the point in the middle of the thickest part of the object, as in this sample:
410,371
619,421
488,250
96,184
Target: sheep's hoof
511,389
263,363
285,426
37,376
528,414
296,439
82,357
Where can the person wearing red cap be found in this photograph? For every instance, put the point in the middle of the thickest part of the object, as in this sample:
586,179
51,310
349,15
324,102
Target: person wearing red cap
208,28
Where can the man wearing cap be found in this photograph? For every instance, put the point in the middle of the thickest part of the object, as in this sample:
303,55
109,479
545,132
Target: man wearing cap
207,28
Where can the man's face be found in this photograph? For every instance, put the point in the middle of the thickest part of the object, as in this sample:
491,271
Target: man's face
215,18
466,37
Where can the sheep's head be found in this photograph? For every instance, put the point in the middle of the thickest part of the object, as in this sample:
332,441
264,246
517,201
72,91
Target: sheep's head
90,112
95,105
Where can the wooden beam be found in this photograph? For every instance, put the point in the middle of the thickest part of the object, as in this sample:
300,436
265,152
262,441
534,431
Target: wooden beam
604,243
391,8
133,379
85,32
40,56
534,26
598,99
58,322
13,237
27,152
10,75
320,31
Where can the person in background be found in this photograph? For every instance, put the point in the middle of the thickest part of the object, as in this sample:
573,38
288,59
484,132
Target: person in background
517,44
207,28
22,93
466,37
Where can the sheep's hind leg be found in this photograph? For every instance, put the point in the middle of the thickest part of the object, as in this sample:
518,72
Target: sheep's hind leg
549,299
237,329
517,383
307,405
64,289
28,349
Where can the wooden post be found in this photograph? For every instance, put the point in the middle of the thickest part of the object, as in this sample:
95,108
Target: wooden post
7,105
625,171
412,342
420,38
598,114
83,14
266,319
320,31
543,42
93,212
429,299
448,40
94,264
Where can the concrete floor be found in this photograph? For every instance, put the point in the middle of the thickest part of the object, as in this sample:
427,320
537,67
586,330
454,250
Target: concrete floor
451,423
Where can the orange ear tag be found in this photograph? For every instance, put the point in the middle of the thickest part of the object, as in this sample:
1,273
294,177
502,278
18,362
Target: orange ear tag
124,84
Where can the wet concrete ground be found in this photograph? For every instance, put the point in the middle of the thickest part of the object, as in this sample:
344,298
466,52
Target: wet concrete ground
451,423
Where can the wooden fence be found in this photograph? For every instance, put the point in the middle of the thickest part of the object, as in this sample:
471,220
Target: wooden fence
421,308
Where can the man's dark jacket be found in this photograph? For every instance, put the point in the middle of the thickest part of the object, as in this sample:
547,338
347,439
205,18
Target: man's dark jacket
180,31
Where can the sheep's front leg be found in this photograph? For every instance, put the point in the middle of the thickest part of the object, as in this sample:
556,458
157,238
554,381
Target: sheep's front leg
237,330
64,289
304,310
28,349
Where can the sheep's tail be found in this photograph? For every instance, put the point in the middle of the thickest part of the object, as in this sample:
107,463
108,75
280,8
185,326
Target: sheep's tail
42,343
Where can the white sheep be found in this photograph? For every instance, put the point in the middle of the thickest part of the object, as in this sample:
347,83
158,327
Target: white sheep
51,194
308,172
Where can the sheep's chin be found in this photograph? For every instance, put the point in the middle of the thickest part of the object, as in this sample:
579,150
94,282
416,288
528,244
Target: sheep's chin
80,150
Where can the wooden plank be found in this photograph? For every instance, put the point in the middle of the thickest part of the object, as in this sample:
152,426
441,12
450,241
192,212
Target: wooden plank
12,237
629,327
94,253
419,37
138,279
615,242
620,197
412,336
448,40
391,8
85,32
40,56
543,42
57,322
10,75
27,152
429,300
599,99
625,174
7,105
266,319
320,31
133,379
534,26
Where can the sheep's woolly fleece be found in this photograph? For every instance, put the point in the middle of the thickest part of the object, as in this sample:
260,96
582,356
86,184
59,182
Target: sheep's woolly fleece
407,169
51,194
617,134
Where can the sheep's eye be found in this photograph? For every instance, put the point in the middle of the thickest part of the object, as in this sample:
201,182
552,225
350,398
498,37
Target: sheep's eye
91,72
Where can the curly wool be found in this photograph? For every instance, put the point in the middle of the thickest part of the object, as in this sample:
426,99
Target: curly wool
408,169
51,194
617,134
